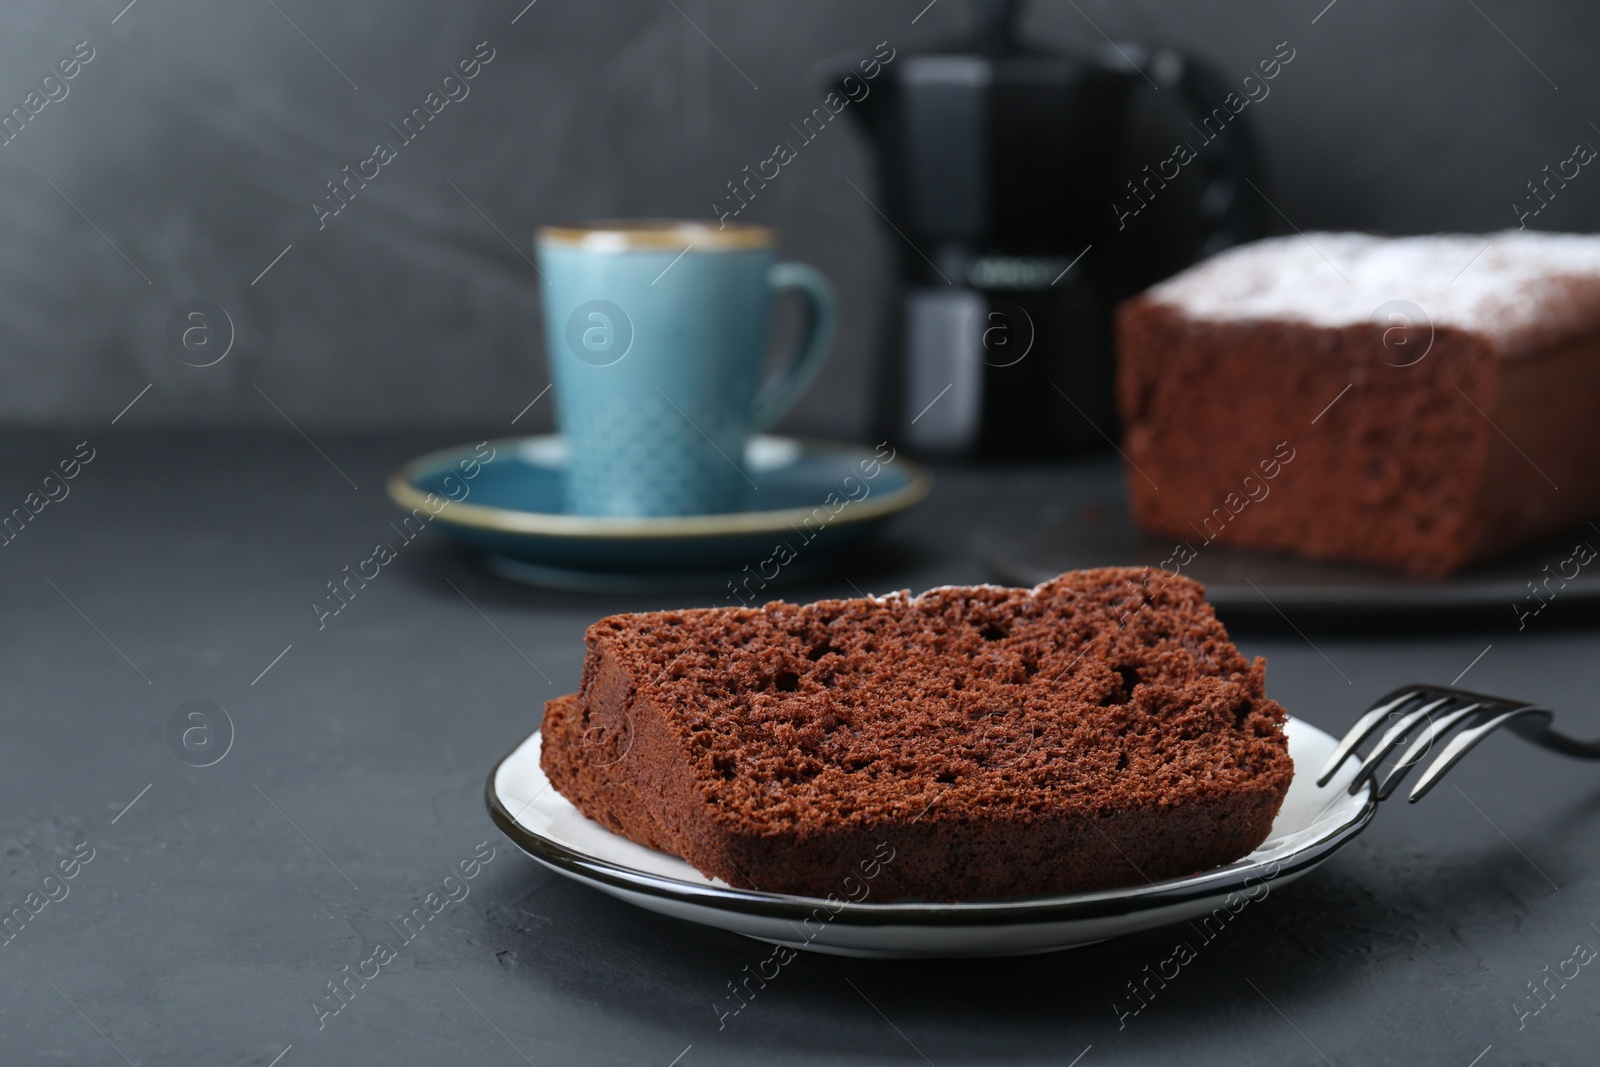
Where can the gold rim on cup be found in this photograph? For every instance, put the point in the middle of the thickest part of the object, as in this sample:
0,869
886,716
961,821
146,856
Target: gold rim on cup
657,235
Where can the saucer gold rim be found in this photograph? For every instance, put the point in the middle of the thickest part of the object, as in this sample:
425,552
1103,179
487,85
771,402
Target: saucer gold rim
588,527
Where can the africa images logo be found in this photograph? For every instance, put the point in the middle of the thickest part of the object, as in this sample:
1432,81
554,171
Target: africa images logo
599,333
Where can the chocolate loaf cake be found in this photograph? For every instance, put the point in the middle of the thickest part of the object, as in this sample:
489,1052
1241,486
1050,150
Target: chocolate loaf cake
1096,731
1417,402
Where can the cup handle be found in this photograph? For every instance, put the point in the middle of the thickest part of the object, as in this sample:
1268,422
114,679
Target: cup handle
785,387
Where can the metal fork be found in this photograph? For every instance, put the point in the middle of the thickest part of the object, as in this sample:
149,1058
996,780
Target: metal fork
1443,709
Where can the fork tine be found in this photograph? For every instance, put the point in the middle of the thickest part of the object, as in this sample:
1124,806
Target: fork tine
1393,737
1419,748
1465,741
1359,733
1470,716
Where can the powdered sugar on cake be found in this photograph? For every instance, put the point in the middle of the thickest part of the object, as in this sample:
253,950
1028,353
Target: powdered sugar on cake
1517,288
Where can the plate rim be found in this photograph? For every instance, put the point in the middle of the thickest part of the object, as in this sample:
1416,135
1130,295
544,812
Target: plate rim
497,519
1058,907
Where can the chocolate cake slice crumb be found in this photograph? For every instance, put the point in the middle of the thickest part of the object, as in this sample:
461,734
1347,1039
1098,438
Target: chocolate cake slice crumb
1098,730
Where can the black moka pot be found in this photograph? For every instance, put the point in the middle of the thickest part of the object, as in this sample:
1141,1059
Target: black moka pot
1017,183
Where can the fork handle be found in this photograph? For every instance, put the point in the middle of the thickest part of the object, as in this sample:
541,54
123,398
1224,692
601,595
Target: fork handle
1539,732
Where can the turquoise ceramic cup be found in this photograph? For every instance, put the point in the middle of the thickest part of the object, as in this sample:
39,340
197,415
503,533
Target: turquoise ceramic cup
657,335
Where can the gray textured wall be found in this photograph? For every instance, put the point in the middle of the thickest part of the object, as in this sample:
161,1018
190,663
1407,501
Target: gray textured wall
199,135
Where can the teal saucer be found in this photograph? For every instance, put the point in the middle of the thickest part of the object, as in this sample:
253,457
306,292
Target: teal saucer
809,501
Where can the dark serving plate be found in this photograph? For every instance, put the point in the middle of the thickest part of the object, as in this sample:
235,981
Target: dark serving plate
1087,525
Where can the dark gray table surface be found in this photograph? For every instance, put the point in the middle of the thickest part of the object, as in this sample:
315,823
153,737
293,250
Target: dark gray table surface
219,906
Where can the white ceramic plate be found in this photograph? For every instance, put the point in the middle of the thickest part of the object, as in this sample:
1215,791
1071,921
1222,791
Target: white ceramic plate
1311,825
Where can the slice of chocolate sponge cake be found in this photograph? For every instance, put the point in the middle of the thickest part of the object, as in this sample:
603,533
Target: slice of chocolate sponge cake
1098,730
